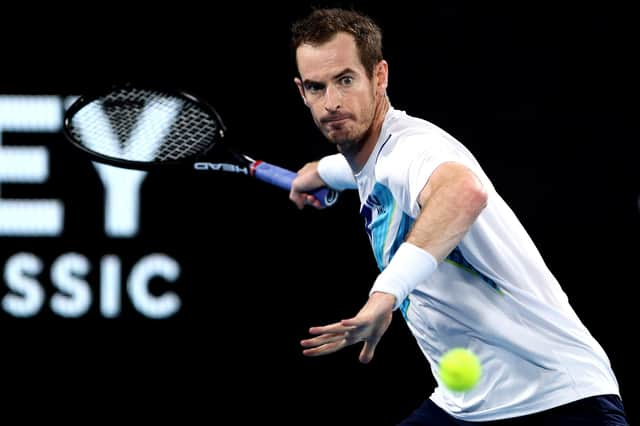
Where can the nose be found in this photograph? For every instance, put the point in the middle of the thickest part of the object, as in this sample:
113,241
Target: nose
332,99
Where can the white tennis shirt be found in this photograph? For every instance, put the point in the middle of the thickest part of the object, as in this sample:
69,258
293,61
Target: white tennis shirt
493,294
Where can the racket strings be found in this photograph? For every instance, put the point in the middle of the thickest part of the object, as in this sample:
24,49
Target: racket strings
145,125
193,132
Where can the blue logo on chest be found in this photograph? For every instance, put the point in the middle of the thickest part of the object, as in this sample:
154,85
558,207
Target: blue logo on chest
385,224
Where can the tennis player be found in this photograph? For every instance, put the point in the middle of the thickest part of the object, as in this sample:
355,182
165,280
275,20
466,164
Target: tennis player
454,258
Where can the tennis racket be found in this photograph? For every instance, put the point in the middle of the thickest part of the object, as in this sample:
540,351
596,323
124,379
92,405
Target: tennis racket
142,128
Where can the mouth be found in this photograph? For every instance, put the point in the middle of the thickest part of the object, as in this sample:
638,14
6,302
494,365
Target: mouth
335,119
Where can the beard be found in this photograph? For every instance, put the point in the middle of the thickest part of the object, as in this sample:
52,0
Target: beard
348,138
349,147
348,141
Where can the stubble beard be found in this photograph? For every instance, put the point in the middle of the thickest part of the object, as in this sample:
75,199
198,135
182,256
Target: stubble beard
349,147
350,144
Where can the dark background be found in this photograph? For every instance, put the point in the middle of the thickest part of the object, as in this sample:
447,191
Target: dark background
544,96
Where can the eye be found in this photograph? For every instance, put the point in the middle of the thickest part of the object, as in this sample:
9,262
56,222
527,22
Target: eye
313,88
347,80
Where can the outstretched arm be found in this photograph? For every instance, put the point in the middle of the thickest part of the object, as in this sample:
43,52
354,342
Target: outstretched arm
451,200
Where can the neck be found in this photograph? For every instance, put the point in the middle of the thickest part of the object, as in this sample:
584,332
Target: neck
358,159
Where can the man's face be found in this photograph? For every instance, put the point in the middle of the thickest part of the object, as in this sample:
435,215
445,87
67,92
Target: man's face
335,87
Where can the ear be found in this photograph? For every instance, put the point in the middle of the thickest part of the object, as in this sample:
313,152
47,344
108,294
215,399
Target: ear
301,90
381,73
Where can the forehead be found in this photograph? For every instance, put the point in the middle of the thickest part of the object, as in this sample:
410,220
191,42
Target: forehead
324,61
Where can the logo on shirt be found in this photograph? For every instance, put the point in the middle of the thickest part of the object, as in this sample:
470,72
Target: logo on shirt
371,205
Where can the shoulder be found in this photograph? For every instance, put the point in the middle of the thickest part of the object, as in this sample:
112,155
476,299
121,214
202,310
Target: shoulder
409,138
414,148
409,132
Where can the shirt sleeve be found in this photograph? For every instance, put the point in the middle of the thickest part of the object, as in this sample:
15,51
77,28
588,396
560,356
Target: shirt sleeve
406,166
336,172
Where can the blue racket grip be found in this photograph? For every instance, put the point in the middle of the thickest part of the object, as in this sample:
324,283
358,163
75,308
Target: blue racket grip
282,178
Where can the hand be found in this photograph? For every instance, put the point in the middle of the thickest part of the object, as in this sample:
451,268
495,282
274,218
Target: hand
368,326
307,179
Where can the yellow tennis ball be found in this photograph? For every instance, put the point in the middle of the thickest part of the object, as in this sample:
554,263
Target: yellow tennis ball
460,369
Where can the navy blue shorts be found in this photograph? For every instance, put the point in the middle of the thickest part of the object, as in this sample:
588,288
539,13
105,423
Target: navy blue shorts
604,410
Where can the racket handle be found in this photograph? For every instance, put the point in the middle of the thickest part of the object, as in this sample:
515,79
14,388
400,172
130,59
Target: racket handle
282,178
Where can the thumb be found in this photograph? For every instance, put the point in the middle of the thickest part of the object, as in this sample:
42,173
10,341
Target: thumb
366,354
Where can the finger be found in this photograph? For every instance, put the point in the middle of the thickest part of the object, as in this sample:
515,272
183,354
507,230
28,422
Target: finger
366,354
327,349
310,200
330,329
354,322
323,339
297,199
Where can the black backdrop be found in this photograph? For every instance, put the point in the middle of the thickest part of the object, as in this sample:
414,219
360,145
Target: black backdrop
542,95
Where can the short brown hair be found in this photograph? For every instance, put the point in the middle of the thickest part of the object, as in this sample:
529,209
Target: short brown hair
322,24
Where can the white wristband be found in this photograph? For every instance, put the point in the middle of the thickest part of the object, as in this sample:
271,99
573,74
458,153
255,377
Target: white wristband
336,172
409,267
